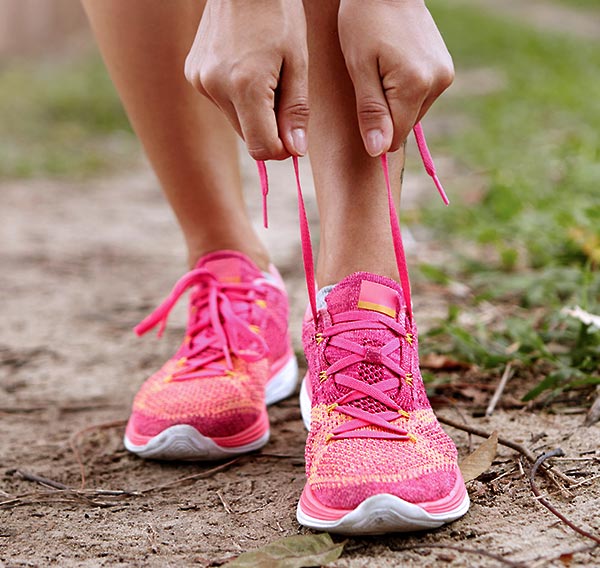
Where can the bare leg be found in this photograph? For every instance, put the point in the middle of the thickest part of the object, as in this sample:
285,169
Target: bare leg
355,231
190,144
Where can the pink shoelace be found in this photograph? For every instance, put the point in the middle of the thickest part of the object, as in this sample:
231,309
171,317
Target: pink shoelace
355,320
218,325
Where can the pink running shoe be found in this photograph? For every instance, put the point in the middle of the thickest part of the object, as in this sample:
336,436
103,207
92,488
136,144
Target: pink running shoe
377,459
209,400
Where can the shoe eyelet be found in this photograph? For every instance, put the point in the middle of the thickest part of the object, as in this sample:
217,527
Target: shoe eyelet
322,376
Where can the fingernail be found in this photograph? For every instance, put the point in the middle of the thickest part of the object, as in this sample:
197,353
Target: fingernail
299,139
375,142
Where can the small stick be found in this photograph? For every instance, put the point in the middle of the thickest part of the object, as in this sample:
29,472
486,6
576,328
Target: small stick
588,480
28,476
223,502
549,506
505,442
200,475
73,443
478,551
499,390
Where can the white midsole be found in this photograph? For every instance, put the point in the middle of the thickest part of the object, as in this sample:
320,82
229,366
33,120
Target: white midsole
384,513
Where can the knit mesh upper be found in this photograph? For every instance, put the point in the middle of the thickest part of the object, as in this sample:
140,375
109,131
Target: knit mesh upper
342,472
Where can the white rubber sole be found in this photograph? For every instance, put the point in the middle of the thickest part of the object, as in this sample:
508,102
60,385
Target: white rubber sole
184,443
305,405
381,514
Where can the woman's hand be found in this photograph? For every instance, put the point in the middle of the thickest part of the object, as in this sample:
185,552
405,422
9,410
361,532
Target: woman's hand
250,58
398,63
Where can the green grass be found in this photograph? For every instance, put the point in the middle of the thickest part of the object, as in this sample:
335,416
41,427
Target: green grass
60,118
537,225
581,3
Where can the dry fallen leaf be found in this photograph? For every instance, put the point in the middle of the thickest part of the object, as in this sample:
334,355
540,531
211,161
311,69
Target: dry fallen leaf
481,459
291,552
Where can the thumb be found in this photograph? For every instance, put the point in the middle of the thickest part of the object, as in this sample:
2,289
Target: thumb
292,106
374,118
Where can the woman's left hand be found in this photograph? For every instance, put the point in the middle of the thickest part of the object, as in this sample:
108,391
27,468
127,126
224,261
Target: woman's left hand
399,65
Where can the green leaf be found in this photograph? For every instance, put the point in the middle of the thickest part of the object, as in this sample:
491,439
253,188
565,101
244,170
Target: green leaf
292,552
552,380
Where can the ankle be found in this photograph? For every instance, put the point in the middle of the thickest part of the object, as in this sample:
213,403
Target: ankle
332,273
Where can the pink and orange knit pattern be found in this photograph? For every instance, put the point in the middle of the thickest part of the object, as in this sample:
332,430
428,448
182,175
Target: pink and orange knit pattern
349,458
198,386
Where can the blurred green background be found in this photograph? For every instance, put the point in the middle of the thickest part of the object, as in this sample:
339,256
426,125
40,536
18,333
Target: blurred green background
523,118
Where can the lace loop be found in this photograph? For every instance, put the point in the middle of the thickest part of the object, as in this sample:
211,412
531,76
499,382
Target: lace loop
216,330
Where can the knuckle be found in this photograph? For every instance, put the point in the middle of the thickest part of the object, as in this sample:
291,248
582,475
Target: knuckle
372,109
297,110
210,79
445,77
264,150
420,81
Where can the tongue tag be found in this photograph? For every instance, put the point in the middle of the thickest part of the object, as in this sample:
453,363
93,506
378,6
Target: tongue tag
225,269
377,298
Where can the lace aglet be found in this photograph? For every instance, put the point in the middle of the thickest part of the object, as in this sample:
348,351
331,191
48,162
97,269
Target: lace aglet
144,327
440,188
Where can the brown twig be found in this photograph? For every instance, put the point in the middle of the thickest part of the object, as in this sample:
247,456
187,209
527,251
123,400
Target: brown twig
477,551
525,452
73,443
538,463
499,390
98,497
201,475
44,481
224,503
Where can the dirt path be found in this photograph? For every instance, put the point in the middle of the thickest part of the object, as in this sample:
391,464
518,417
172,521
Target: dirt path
545,15
81,264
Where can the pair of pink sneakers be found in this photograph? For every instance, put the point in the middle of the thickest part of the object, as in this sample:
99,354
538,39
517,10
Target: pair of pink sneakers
377,459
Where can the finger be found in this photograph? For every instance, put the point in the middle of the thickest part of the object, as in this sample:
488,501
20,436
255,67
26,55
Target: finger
443,84
227,108
374,119
405,92
256,113
292,106
405,114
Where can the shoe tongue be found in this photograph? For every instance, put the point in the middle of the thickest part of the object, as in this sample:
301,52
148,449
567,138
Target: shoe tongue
366,291
369,292
229,266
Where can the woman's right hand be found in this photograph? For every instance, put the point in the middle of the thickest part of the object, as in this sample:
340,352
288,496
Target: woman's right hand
251,59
